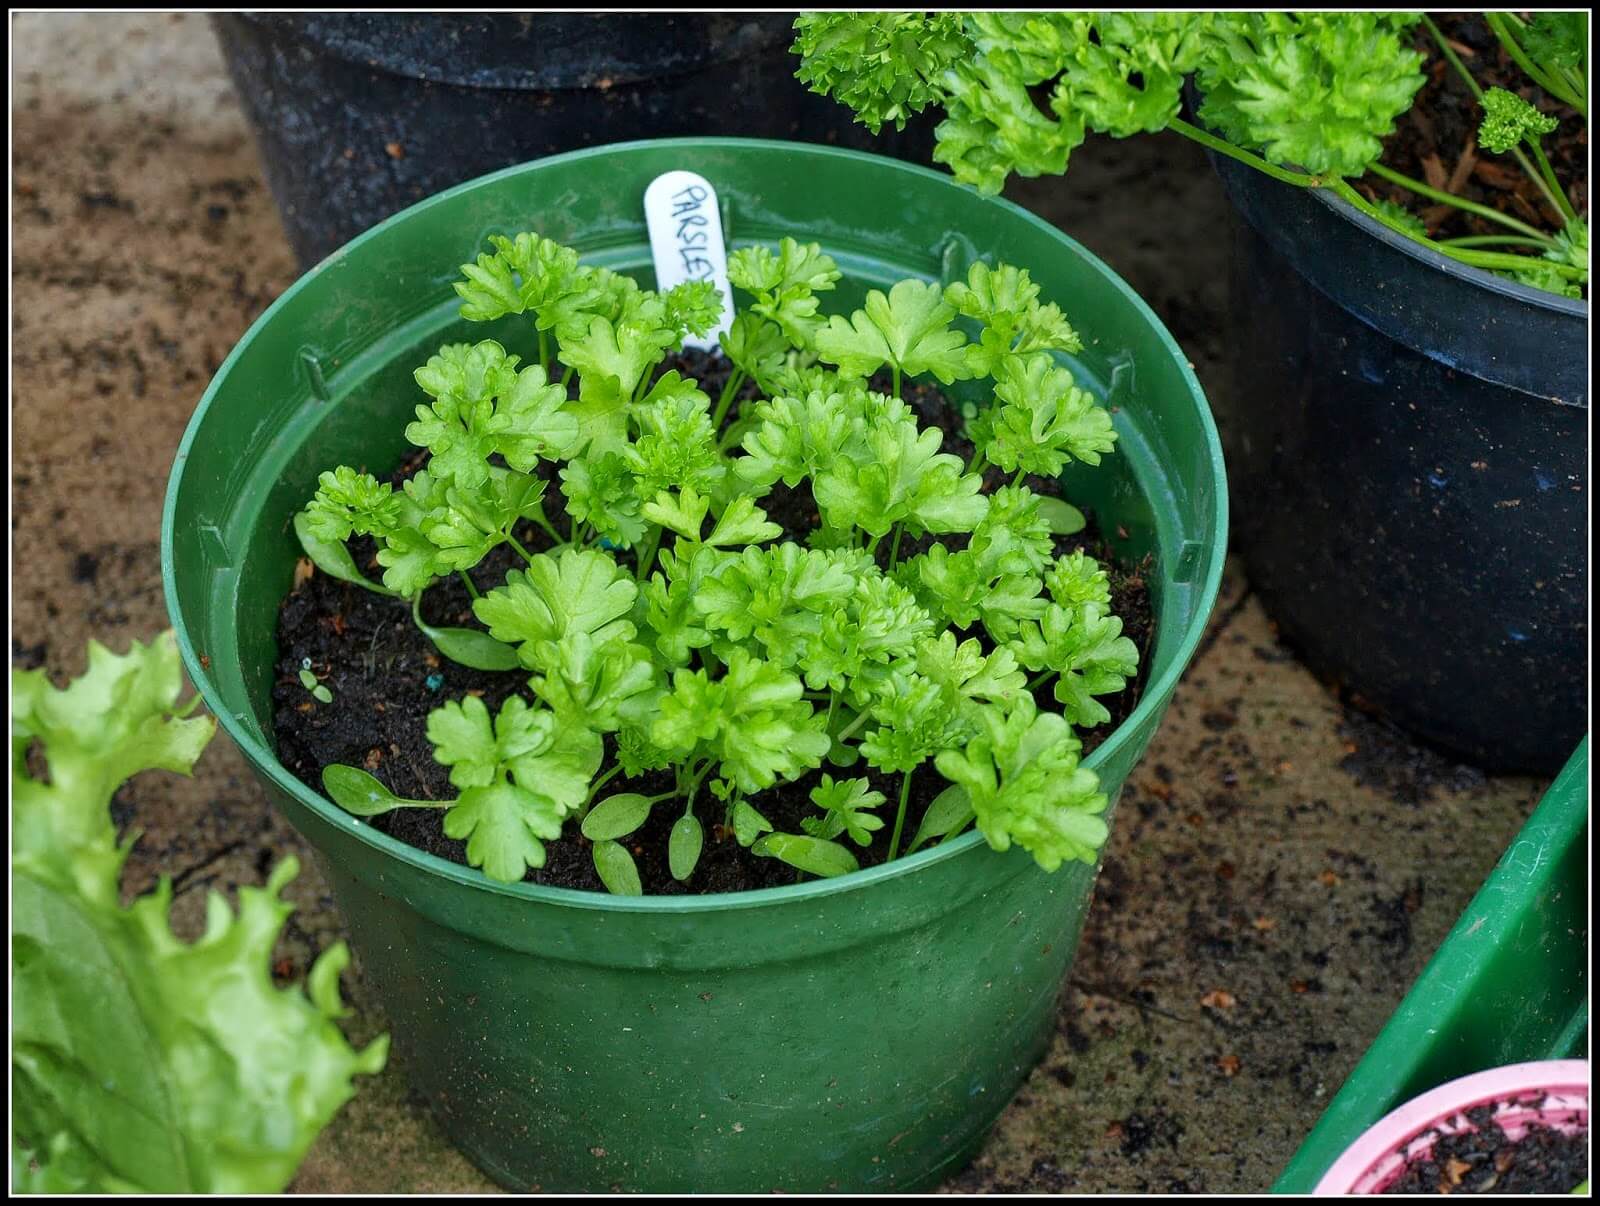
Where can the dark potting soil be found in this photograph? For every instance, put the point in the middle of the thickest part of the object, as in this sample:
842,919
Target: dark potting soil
1436,142
1484,1159
385,677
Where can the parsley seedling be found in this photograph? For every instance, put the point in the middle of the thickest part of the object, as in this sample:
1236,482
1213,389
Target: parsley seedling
676,639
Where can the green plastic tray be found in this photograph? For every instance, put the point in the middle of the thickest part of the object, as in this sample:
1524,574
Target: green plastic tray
1508,984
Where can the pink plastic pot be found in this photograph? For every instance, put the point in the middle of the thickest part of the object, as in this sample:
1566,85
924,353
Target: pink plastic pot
1553,1092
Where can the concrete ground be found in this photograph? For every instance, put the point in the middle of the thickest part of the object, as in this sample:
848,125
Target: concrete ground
1280,870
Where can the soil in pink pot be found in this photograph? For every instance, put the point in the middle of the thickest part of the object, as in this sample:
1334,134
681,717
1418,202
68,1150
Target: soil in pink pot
1482,1158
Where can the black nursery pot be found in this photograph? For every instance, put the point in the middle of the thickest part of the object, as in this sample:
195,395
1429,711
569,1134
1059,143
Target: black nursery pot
1407,444
359,115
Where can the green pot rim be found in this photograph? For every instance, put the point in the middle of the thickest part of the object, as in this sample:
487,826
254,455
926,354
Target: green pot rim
1157,692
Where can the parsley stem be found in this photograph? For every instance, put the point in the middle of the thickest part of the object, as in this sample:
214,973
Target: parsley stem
896,380
1434,194
1298,179
544,354
1038,680
599,783
900,816
1452,58
894,549
1494,241
735,380
522,552
647,559
694,785
849,729
1478,259
545,524
471,588
1550,185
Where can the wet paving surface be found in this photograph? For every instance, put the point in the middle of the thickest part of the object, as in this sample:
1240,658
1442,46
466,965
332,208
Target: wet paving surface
1280,867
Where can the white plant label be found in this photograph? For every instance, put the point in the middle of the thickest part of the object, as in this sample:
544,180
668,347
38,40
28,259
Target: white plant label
685,223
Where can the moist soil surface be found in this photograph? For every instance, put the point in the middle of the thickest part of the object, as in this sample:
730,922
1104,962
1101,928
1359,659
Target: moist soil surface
386,677
1436,141
1484,1159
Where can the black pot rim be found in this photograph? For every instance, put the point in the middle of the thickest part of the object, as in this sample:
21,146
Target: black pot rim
1481,277
754,39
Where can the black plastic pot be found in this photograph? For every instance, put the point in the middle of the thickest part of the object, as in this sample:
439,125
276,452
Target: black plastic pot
1407,444
359,115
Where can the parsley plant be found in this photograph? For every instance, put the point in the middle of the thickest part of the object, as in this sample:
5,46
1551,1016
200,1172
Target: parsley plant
670,626
1306,97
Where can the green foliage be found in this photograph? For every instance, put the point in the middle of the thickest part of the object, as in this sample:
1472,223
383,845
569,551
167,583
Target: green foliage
1508,120
1317,91
785,285
1042,419
846,808
141,1063
520,776
1558,39
907,329
1006,301
885,66
1571,247
1307,97
1025,786
752,722
671,626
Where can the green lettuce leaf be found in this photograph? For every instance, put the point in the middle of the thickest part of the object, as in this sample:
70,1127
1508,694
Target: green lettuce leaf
142,1063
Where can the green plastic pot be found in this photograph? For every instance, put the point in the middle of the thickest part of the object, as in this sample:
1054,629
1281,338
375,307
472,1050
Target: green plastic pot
859,1033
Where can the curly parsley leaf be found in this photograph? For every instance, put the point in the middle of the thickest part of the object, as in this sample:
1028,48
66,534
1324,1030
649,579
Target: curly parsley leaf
1085,646
1042,420
847,810
901,477
907,329
885,66
1318,91
1508,120
555,598
785,285
752,722
1025,785
520,776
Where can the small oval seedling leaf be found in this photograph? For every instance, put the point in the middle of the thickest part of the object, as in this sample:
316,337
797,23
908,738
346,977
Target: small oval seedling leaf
472,648
748,824
949,813
1062,518
617,870
807,853
333,559
321,694
357,792
308,680
683,847
616,816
